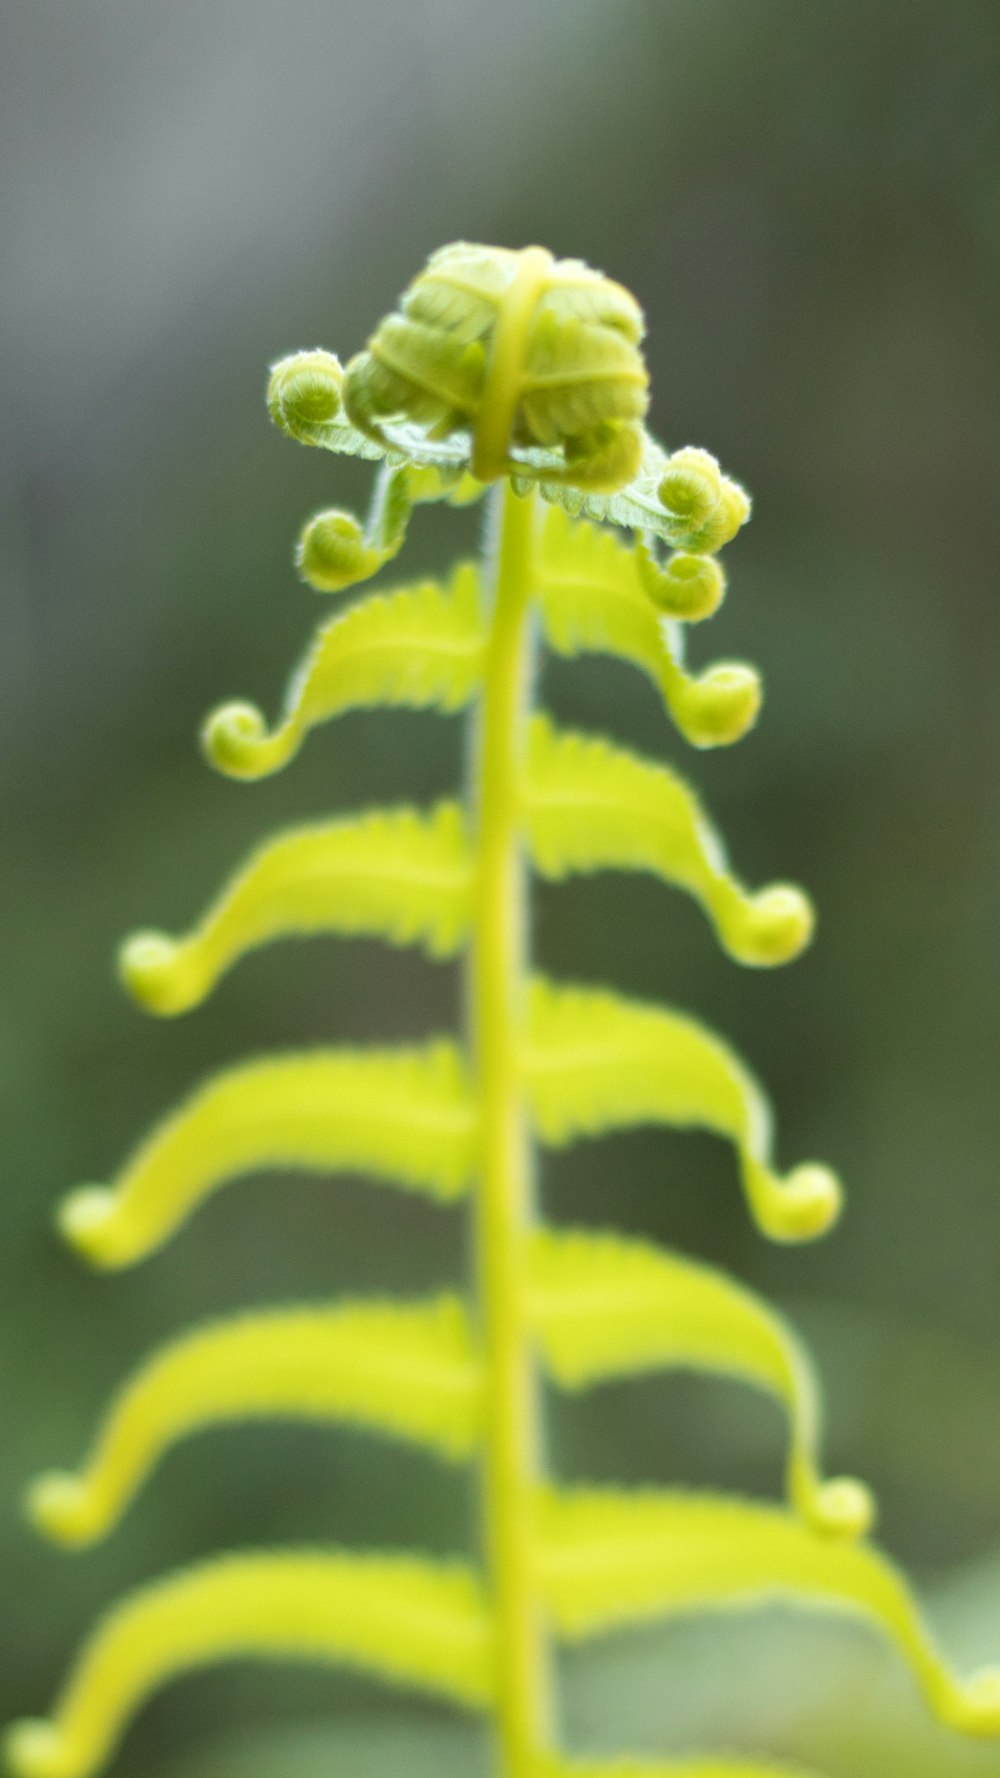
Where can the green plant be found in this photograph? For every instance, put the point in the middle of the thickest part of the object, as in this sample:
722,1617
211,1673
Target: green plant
521,374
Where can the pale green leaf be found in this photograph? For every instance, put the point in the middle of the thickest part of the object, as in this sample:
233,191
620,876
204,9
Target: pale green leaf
595,1062
405,1619
594,600
420,646
396,874
403,1368
589,805
612,1557
404,1115
603,1306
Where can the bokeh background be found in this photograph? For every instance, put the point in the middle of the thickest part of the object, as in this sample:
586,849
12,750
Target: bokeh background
806,198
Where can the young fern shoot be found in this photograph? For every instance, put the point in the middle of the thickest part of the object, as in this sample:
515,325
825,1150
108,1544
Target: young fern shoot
518,378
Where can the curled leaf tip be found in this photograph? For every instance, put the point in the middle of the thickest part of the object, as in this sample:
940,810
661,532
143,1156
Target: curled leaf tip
722,705
841,1507
598,596
148,970
691,486
776,926
34,1749
706,509
419,647
688,587
974,1707
800,1207
86,1220
595,1061
612,1558
236,742
303,394
57,1506
332,554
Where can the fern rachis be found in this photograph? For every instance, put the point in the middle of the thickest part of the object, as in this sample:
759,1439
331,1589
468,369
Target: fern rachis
522,372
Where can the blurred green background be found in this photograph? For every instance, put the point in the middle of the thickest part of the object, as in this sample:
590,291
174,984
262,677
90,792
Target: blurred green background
806,199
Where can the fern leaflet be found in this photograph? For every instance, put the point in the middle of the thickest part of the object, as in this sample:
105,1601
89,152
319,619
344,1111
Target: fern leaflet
591,603
595,1062
606,1307
404,1368
405,1116
421,647
589,805
613,1557
403,1618
393,874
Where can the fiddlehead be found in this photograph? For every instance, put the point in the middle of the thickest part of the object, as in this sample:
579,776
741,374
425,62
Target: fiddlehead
525,371
506,352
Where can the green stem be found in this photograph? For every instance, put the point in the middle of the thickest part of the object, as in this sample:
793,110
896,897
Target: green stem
505,1208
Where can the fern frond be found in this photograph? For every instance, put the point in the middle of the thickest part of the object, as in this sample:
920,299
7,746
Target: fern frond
612,1557
335,551
595,1061
594,599
396,874
403,1368
646,503
603,1306
421,646
516,369
590,805
405,1619
304,401
404,1115
704,1766
519,363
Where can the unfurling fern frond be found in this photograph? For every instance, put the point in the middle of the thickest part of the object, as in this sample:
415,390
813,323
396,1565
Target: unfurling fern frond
519,371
